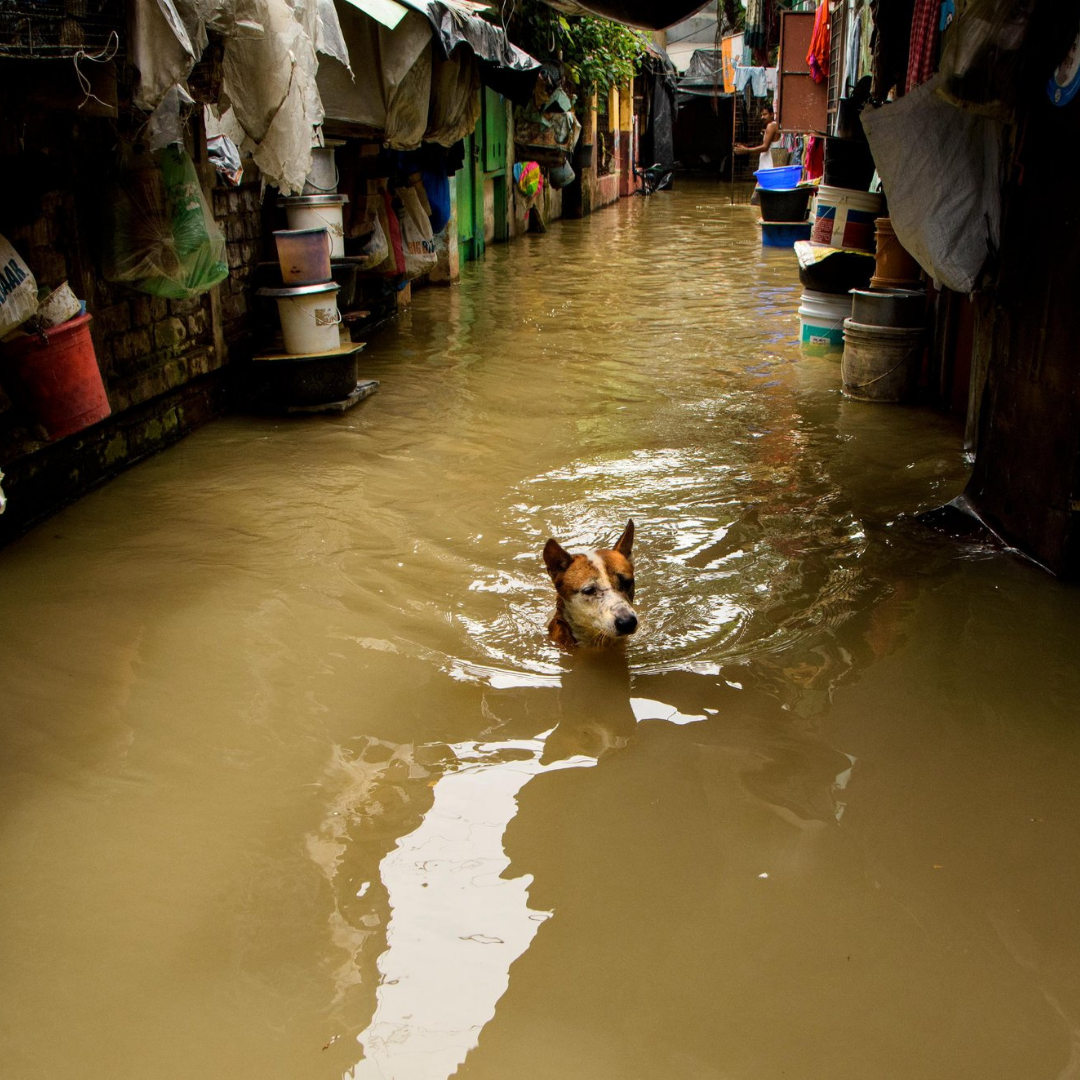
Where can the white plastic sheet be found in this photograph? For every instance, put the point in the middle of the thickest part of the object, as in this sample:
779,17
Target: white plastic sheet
940,167
270,81
162,50
392,87
270,65
455,98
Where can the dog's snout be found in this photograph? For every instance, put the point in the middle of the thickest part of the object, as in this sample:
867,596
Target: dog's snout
626,623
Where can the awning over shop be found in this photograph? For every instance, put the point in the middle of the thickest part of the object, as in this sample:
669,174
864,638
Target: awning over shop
646,14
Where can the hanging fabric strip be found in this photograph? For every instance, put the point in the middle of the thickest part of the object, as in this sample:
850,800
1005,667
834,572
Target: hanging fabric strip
817,58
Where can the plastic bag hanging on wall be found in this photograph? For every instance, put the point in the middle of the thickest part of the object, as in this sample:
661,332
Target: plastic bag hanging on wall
162,238
18,289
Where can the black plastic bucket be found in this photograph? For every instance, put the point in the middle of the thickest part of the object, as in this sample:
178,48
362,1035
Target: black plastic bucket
784,204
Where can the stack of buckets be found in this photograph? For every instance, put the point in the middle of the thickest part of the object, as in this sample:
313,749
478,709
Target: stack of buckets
322,369
883,336
843,219
784,205
307,304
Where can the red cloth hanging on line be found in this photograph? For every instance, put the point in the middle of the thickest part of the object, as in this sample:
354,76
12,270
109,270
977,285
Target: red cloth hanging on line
818,56
922,46
814,157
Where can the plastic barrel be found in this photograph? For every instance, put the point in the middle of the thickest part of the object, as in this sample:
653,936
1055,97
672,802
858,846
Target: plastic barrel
880,363
821,316
845,219
54,377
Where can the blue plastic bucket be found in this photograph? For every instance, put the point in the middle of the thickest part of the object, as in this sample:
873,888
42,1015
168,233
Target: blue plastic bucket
784,233
788,176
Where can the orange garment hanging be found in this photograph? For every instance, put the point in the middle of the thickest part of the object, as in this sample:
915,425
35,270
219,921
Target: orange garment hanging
818,56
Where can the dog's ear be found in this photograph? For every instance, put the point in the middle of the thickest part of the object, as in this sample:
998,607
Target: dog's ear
555,558
626,541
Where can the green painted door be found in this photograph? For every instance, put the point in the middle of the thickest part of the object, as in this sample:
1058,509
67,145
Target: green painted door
469,182
493,121
493,117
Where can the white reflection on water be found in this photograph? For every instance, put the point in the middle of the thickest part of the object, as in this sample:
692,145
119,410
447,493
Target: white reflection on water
457,923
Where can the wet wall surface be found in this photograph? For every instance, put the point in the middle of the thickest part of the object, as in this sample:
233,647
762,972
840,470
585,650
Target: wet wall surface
293,784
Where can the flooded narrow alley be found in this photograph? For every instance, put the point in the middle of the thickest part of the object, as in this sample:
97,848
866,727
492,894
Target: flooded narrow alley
294,784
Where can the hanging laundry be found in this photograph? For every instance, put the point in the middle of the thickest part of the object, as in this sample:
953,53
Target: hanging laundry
851,57
754,30
817,58
755,78
922,51
814,157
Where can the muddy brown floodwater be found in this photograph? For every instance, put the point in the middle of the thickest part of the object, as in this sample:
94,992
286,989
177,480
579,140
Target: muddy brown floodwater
292,784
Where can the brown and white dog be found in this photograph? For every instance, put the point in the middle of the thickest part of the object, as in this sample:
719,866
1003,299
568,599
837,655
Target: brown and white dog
596,591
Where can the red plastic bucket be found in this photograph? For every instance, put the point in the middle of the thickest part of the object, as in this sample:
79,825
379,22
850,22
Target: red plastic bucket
54,376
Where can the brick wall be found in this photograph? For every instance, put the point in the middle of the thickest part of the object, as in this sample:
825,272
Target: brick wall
164,362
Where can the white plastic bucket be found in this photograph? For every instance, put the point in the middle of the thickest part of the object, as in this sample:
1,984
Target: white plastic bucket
845,219
309,318
822,318
323,178
880,363
319,212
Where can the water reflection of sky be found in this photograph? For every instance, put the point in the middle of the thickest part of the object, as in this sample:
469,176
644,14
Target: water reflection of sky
457,924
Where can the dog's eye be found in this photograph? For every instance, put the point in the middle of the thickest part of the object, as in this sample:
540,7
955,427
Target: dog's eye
588,590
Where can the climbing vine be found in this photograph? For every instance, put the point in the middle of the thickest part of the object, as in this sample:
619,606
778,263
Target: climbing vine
596,53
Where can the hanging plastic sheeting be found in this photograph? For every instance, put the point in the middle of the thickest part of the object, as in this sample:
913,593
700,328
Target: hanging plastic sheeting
162,49
502,65
646,14
392,87
162,238
270,64
983,55
166,124
455,98
940,167
168,38
270,81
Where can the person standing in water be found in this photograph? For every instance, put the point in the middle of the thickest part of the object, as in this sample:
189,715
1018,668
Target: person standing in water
769,136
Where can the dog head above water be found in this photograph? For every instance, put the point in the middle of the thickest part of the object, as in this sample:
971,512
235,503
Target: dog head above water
596,591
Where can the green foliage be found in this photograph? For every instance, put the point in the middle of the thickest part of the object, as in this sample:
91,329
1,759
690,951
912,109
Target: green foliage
596,54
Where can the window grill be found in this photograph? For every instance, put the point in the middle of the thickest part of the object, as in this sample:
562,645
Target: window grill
837,44
41,30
